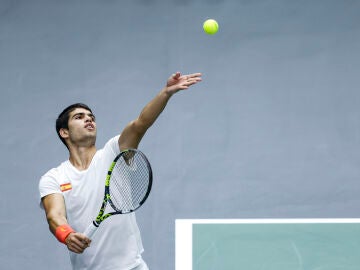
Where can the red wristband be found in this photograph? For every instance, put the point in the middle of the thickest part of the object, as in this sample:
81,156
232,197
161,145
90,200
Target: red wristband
62,232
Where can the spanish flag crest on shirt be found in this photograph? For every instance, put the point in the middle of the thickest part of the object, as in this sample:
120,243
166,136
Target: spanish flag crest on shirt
65,187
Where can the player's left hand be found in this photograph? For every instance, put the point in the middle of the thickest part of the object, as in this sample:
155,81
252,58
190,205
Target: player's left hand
178,82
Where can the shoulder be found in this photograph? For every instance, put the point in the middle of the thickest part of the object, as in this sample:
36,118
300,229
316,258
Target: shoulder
51,181
112,146
54,174
106,155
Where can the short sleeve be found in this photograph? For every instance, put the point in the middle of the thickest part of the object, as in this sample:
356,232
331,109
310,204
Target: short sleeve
112,146
48,184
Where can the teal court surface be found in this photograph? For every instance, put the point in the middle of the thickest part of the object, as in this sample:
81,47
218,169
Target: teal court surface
267,244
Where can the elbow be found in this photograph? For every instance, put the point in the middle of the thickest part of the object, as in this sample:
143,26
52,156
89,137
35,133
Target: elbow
139,127
132,135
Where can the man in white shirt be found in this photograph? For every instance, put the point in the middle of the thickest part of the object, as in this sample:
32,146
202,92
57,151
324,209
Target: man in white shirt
72,192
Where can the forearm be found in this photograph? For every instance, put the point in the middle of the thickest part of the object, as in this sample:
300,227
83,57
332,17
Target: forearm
135,130
152,110
174,84
75,242
54,206
54,221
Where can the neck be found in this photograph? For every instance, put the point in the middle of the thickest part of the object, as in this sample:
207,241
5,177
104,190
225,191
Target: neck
80,157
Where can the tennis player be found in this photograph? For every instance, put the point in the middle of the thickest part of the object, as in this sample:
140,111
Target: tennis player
70,193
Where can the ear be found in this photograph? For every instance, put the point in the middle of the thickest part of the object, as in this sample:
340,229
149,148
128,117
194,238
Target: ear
64,133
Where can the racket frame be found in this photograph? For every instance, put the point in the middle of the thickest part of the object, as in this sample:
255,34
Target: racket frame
107,198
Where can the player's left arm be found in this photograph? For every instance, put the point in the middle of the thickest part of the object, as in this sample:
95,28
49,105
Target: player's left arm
136,129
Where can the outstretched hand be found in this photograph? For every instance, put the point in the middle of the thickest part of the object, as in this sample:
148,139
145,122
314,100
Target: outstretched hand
178,82
133,133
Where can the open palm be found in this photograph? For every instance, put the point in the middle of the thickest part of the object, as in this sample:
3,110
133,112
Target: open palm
178,82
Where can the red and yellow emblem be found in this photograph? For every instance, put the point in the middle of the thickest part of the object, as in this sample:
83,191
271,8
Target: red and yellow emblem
65,187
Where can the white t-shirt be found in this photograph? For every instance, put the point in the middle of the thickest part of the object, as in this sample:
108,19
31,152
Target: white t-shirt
117,242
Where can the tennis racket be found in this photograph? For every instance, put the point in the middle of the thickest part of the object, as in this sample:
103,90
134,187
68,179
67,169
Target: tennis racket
127,186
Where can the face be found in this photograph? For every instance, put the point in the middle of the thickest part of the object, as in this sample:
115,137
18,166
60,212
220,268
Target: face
81,128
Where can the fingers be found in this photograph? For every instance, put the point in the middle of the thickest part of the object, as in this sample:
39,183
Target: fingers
77,242
194,75
178,82
192,79
177,75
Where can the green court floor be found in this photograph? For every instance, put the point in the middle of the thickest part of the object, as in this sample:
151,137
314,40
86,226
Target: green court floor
276,246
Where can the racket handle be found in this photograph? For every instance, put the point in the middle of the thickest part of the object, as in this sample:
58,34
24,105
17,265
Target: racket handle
89,232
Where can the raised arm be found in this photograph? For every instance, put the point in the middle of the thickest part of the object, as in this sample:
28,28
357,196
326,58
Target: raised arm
136,129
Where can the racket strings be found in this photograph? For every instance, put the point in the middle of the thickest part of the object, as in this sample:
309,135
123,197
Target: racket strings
129,183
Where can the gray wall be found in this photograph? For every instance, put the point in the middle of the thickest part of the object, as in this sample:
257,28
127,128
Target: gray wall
272,131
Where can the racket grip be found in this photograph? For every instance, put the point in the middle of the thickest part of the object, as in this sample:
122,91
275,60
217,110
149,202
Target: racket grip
89,232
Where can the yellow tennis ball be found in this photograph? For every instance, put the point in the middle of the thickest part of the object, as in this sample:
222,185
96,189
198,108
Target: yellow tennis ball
210,26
